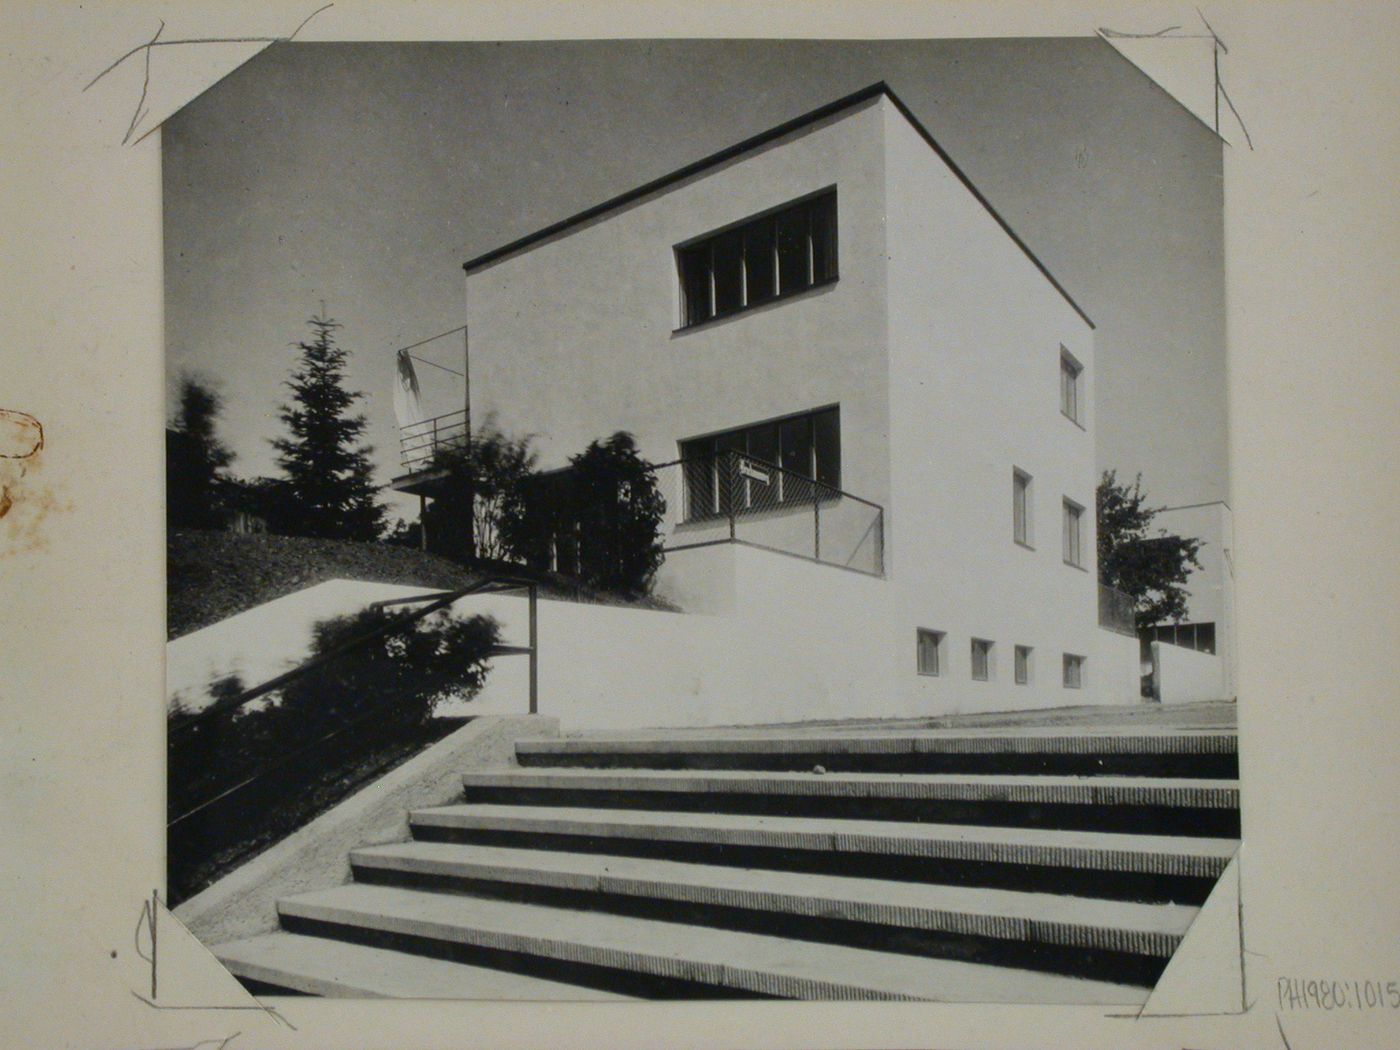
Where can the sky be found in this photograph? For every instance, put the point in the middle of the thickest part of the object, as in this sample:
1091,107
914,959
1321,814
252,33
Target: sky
362,176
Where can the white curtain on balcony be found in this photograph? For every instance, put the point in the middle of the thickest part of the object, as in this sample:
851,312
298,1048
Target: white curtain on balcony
406,407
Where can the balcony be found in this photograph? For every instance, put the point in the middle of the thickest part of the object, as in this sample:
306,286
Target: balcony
733,497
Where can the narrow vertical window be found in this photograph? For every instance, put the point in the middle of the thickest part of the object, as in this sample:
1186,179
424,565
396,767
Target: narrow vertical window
1021,507
930,645
1023,665
1070,372
981,660
1073,545
1074,671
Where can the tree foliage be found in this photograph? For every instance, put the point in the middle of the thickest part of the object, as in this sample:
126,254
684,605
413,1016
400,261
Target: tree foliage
481,498
196,459
1151,569
267,763
329,489
619,510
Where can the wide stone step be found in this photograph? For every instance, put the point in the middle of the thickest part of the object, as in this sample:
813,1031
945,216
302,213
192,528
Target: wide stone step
279,963
1115,940
663,958
1097,864
1142,804
1026,751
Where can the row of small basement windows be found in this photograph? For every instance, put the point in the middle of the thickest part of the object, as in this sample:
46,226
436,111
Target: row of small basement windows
1022,522
933,660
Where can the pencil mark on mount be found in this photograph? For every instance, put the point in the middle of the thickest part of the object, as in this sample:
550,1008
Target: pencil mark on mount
1175,33
261,1008
1116,34
216,1044
1220,84
155,41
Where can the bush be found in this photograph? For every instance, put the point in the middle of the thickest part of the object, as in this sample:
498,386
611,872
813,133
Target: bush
469,517
619,511
379,697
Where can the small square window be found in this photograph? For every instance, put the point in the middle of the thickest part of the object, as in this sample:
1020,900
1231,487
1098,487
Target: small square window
1021,507
930,652
981,660
1023,665
1073,538
1074,671
1070,373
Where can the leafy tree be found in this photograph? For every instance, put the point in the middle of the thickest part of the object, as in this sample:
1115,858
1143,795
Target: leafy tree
481,496
1151,569
329,492
195,459
268,765
619,510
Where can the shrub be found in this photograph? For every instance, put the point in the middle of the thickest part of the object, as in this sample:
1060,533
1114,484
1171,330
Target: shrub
619,511
470,516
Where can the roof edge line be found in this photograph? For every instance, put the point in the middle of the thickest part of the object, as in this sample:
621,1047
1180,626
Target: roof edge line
692,168
961,176
874,90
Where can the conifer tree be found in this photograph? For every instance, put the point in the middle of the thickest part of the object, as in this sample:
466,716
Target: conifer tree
329,491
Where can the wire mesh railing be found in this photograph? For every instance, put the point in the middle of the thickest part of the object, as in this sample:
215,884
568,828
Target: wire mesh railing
1117,611
732,497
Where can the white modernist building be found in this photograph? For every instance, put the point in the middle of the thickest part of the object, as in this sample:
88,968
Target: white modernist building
878,407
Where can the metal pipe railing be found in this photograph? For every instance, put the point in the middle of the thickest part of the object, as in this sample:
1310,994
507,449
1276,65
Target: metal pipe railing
434,602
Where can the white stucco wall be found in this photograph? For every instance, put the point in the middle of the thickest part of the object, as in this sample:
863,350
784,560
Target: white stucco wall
576,337
976,333
1185,676
940,342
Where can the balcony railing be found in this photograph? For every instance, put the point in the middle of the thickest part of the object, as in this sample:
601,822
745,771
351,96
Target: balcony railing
420,442
732,497
1117,611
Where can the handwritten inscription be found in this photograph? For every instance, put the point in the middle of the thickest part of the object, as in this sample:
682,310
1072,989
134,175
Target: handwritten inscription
1333,993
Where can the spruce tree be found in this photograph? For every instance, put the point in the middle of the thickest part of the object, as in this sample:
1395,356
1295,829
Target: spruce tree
328,490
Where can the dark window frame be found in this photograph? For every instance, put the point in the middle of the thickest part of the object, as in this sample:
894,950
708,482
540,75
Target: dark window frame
697,263
1071,388
823,467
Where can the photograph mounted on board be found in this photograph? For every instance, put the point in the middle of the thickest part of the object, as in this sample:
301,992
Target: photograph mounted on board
699,519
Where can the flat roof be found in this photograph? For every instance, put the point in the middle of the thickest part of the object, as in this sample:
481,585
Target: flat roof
763,138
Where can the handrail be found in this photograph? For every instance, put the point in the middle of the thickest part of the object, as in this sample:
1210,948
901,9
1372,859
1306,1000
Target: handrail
440,600
462,412
435,601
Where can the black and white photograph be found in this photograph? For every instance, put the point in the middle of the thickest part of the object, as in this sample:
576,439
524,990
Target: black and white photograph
690,519
705,526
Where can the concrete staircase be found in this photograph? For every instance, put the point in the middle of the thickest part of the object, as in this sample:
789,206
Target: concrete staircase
1008,864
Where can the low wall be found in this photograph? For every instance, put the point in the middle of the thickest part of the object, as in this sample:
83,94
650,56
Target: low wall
244,902
1185,676
260,643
